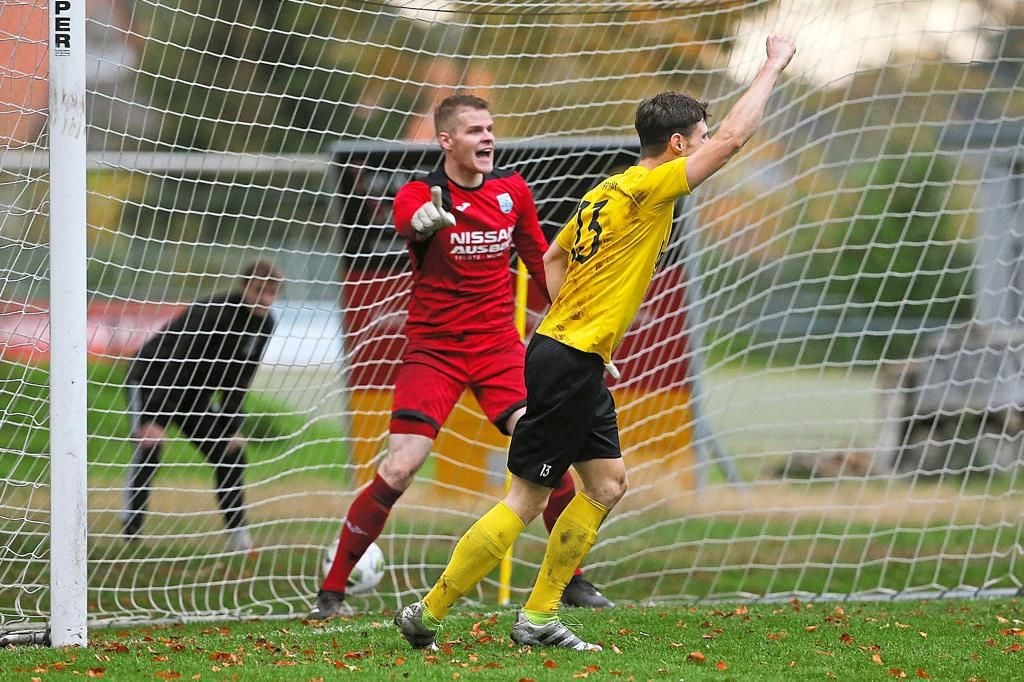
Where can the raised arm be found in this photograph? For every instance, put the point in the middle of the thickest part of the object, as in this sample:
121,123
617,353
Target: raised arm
743,119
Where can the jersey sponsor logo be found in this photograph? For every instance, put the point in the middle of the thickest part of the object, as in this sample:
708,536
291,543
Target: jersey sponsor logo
463,206
479,243
505,202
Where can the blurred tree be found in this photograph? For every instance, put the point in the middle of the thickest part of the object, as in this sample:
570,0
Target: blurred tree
587,78
270,76
274,77
895,249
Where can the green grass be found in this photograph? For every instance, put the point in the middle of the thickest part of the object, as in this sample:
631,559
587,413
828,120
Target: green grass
178,572
279,439
939,640
663,553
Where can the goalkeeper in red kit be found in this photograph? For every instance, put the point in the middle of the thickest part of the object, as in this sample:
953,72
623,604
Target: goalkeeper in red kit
461,223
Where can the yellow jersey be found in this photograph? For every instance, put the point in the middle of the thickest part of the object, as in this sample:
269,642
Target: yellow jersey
614,240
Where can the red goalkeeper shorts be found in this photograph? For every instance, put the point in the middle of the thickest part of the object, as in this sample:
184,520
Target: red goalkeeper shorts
435,372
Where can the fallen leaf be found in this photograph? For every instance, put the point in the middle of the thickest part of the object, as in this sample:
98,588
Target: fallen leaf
550,664
721,665
97,673
897,672
696,657
922,674
811,628
876,659
167,674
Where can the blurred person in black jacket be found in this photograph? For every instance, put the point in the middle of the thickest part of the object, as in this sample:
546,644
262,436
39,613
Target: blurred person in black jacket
194,373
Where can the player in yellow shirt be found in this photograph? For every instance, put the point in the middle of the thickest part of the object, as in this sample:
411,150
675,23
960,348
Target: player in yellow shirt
598,270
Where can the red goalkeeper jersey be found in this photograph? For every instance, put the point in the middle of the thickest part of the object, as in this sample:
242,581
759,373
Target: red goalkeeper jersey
461,280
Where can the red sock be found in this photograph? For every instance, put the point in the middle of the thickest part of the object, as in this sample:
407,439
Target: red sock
559,499
363,525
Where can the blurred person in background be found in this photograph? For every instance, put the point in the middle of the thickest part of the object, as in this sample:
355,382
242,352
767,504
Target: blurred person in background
194,374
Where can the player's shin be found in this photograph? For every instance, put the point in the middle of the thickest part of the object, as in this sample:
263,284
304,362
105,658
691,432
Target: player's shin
475,555
229,474
571,538
140,477
362,526
558,500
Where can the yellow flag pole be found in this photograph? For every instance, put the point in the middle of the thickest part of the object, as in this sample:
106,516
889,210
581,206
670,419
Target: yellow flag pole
505,568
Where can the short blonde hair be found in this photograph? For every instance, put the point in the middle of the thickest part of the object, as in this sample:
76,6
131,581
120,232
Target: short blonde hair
447,111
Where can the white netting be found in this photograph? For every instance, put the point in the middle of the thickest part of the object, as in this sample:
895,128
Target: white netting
820,397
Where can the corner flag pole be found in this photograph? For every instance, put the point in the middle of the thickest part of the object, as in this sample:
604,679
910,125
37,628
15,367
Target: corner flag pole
505,568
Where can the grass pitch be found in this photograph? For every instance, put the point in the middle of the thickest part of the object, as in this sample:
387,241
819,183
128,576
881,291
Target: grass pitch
940,640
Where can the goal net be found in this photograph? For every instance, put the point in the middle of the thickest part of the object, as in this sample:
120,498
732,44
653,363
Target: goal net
821,397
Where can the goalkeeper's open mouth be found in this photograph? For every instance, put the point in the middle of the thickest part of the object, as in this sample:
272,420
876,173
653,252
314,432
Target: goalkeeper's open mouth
487,153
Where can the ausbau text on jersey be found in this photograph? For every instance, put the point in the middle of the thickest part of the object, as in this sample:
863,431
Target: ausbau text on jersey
461,281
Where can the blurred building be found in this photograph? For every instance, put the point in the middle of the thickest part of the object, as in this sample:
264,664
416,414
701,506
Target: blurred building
115,108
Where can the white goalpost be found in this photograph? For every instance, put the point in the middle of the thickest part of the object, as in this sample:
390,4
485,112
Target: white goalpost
820,399
68,403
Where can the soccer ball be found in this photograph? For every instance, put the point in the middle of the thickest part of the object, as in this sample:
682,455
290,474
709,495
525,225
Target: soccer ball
366,574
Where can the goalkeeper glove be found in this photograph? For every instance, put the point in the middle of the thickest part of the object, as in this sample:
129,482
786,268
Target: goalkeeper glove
431,216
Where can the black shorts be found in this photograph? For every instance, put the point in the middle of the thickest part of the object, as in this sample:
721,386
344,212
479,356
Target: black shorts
570,415
204,426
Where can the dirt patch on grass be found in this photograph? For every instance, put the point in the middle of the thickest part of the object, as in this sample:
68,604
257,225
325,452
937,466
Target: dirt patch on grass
887,502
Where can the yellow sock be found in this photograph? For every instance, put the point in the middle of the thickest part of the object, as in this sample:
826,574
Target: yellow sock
571,538
475,555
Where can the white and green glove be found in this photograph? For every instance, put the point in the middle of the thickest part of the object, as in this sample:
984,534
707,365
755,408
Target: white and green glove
431,216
